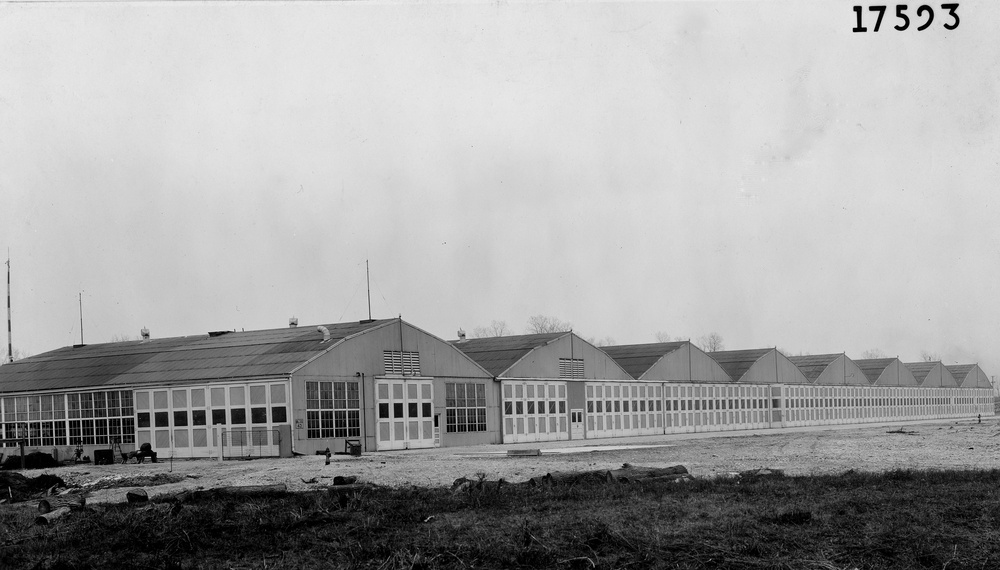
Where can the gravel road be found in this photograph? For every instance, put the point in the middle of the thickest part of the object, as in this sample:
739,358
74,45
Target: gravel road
799,451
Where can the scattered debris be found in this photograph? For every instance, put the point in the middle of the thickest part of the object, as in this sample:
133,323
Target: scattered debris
524,452
753,474
463,484
16,487
136,496
33,460
49,518
627,474
902,431
68,501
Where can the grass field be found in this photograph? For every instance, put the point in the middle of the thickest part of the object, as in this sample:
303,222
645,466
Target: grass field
900,519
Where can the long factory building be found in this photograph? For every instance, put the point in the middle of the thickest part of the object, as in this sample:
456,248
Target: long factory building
378,385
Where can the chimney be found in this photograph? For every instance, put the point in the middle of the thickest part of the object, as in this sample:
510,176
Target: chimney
325,331
145,333
461,334
293,322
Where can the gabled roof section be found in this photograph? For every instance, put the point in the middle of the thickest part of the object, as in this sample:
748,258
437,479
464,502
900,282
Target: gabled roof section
736,363
637,359
969,376
813,365
964,372
213,356
920,370
874,367
498,354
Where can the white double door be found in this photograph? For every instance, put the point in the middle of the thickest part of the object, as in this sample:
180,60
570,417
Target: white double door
405,412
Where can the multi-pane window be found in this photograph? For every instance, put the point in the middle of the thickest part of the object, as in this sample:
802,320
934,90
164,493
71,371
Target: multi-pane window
571,368
92,418
401,362
333,409
465,407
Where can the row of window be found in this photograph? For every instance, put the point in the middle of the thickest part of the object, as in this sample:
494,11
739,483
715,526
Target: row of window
696,405
101,431
236,416
333,408
611,406
196,397
101,404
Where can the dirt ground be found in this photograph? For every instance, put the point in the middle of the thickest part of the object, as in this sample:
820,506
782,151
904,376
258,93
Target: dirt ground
950,444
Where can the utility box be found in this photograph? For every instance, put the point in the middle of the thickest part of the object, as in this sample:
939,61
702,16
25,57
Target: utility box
285,441
104,457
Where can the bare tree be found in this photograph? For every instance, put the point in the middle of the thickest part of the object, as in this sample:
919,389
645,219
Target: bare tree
541,324
18,355
789,353
606,341
123,338
664,336
712,342
495,328
873,353
928,356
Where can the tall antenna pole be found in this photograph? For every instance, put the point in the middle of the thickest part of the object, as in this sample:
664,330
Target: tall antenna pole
368,280
10,342
81,317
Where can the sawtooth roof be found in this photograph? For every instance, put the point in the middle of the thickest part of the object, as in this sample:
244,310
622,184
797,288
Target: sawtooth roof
812,366
874,367
960,372
497,354
214,356
637,359
737,362
920,370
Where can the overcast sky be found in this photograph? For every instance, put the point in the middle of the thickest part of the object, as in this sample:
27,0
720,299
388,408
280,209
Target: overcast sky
750,168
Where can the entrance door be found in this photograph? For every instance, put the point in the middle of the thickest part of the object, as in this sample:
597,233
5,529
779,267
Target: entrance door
405,413
576,424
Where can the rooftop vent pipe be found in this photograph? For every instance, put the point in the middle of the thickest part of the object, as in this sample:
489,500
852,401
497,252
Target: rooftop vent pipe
293,322
461,334
325,331
145,333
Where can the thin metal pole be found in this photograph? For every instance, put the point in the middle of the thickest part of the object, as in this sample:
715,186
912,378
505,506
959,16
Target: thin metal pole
10,340
368,281
81,317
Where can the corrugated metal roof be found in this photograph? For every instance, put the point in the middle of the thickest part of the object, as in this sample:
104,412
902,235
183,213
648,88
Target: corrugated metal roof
812,366
244,354
920,370
737,362
960,371
637,359
967,376
499,353
874,367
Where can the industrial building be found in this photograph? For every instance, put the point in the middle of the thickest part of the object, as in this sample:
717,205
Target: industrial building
378,385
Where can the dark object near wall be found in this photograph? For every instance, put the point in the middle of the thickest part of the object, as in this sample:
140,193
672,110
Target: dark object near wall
33,460
104,457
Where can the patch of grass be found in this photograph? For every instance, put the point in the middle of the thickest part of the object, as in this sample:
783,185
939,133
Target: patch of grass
897,520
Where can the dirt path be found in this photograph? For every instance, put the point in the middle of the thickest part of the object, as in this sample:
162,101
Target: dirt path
942,445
